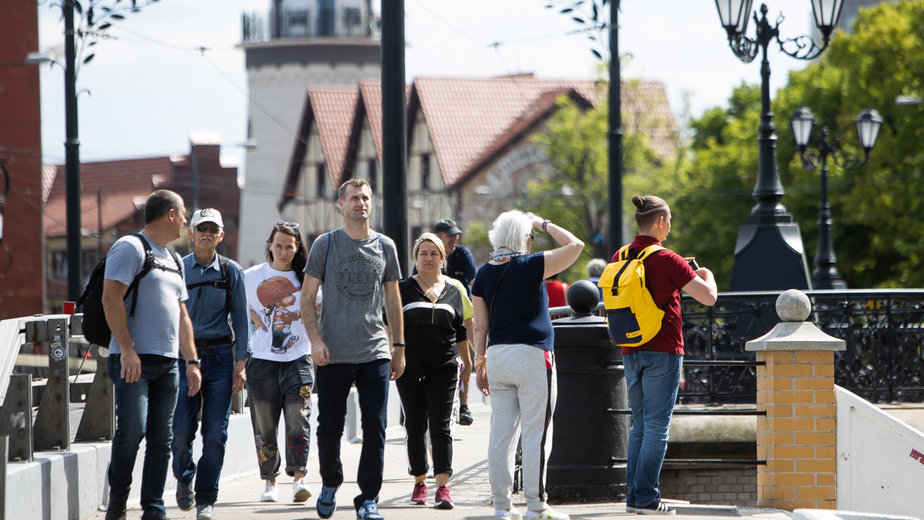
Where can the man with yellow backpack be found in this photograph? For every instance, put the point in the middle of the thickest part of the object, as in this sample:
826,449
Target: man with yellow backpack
641,289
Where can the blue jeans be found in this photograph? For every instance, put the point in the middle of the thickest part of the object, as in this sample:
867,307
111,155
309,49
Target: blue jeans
214,399
144,410
333,383
652,379
276,387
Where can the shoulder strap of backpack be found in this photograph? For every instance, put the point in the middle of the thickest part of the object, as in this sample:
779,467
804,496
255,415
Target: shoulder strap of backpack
145,269
327,254
648,251
224,265
224,283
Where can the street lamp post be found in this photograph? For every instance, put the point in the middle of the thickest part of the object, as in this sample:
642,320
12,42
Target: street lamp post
768,252
802,123
71,157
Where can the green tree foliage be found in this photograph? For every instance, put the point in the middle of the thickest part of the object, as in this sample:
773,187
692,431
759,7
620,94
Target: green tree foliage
575,194
876,209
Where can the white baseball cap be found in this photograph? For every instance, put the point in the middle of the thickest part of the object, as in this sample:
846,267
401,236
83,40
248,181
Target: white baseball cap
206,215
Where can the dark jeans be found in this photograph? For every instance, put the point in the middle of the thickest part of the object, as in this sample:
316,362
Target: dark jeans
144,410
214,399
333,383
427,400
276,387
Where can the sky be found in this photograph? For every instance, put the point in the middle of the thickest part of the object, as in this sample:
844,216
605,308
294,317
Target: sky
175,68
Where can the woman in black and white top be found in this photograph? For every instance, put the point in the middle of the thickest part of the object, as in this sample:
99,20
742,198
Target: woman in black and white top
434,332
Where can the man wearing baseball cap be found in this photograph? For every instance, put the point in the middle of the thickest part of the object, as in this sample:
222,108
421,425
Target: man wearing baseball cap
216,292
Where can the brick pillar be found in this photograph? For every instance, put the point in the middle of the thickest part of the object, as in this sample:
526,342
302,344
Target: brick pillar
795,388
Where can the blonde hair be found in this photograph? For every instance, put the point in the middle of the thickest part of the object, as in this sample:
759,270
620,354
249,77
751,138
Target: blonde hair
430,237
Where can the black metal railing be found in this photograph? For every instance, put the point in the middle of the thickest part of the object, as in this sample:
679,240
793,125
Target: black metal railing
883,330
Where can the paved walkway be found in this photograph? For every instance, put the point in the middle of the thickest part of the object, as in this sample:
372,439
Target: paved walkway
238,496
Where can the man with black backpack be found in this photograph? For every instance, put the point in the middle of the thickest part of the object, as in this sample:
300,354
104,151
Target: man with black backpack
148,334
216,293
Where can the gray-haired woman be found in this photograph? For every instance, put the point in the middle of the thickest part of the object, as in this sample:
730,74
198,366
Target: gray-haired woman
511,307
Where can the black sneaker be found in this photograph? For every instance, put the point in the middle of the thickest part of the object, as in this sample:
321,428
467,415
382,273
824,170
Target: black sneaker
116,509
185,497
465,416
657,508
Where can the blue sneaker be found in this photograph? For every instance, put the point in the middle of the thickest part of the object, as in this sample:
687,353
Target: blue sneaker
327,502
369,511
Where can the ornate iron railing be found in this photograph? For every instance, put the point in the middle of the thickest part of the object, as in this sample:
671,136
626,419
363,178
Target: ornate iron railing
883,331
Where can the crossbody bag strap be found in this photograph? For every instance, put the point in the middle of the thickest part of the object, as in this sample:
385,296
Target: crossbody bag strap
496,287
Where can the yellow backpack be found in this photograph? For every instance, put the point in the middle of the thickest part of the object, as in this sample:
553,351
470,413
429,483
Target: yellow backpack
632,316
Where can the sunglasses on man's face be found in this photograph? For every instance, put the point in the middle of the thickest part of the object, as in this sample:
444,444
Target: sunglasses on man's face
283,223
213,230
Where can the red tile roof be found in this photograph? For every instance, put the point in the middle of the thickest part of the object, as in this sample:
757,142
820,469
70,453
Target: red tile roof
333,112
470,120
466,116
122,184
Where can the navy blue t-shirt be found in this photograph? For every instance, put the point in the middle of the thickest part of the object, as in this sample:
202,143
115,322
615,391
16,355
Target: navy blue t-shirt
521,307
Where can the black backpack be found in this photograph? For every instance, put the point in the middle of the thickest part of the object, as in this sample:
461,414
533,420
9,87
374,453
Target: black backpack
224,283
95,328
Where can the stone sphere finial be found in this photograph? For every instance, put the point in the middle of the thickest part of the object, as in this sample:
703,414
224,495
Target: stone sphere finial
793,305
583,297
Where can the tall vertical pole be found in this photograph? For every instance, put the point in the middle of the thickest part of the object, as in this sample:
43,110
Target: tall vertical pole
769,190
394,127
826,275
194,167
71,157
614,134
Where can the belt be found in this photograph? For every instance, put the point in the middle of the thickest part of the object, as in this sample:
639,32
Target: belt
211,342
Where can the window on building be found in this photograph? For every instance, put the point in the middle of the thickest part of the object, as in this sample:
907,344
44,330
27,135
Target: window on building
321,181
372,166
59,264
425,171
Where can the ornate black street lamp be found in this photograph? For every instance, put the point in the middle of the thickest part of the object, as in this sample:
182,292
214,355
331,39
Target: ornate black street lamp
769,253
802,123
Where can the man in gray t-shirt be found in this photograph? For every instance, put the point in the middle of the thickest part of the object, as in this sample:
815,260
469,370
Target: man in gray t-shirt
359,272
143,352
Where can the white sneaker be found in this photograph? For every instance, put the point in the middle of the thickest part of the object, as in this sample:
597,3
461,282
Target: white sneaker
512,514
300,491
548,514
270,493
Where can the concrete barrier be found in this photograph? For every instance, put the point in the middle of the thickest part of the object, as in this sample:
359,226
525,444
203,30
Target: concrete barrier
72,484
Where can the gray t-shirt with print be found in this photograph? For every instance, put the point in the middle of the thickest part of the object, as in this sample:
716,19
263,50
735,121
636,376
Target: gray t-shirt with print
352,274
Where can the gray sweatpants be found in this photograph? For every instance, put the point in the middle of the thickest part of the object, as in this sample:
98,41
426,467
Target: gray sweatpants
523,385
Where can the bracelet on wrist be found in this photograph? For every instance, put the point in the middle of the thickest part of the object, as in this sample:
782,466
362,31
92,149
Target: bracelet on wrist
545,224
398,345
192,362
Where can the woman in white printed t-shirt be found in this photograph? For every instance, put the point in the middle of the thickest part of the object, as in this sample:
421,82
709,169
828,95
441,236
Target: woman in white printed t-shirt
279,375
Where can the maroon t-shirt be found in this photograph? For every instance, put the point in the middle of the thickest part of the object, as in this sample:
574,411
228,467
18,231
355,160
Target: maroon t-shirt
666,273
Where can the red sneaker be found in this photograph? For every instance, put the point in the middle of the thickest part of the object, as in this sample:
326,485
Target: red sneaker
419,497
443,501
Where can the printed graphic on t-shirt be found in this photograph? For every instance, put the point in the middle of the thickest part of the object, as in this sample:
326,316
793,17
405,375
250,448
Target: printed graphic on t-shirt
358,276
277,295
